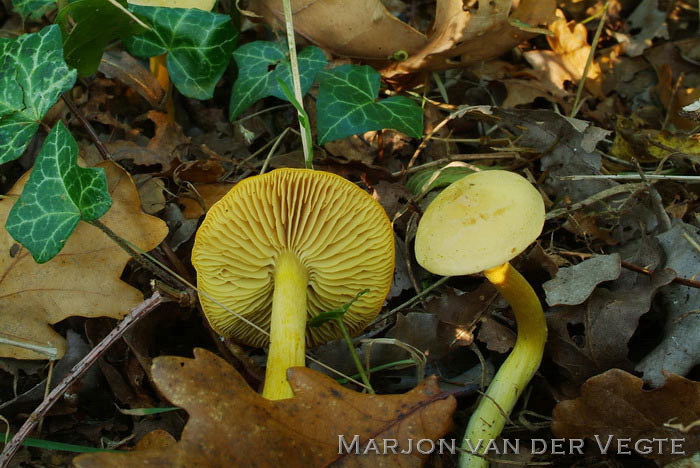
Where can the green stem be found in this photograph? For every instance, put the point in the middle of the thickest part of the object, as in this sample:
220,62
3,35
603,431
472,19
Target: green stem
287,326
296,80
381,367
487,422
355,357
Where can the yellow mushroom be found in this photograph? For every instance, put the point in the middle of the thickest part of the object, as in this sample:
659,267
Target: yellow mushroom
478,224
281,248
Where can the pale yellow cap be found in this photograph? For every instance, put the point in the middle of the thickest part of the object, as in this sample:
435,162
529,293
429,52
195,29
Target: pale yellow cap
479,222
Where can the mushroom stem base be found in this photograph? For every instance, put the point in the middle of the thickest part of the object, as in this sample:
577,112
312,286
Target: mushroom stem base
487,422
287,326
159,70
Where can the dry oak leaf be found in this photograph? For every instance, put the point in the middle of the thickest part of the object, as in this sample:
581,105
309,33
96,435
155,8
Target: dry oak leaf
567,59
83,279
615,404
231,425
366,30
461,36
361,29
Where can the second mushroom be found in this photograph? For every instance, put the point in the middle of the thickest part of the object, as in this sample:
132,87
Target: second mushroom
478,224
282,247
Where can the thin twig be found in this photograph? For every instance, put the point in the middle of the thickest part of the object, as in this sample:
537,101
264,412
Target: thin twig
657,203
146,262
136,314
631,266
600,196
386,315
91,131
49,351
676,178
674,95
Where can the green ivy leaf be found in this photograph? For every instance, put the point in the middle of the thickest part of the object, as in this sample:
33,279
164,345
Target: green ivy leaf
347,105
58,194
33,9
198,44
261,64
95,24
33,76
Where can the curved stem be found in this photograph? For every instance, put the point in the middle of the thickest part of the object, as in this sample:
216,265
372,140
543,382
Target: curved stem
287,326
511,379
159,70
355,357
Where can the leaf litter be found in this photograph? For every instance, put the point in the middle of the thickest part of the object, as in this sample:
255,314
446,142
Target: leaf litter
616,266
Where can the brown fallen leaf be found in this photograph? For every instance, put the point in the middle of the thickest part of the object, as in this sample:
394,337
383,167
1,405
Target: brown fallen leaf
200,198
128,70
168,145
613,407
83,279
460,36
607,321
567,59
151,191
366,30
361,29
231,425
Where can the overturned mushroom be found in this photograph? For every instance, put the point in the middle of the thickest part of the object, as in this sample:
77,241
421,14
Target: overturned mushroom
282,247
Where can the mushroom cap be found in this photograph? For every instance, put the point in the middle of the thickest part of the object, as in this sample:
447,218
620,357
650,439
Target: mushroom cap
479,222
339,233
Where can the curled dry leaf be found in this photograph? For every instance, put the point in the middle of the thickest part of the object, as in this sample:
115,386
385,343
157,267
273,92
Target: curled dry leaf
613,406
362,29
83,279
461,37
168,145
573,285
231,425
605,323
567,59
366,30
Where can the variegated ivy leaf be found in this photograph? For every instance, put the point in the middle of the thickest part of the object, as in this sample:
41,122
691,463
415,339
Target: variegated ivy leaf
347,105
33,75
261,64
33,9
58,194
198,44
91,25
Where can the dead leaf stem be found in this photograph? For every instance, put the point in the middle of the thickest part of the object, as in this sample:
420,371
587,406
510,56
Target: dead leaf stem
631,266
589,61
91,131
149,263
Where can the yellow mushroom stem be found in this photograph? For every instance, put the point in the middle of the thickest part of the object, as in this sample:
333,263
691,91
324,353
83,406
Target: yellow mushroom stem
287,325
487,422
159,70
